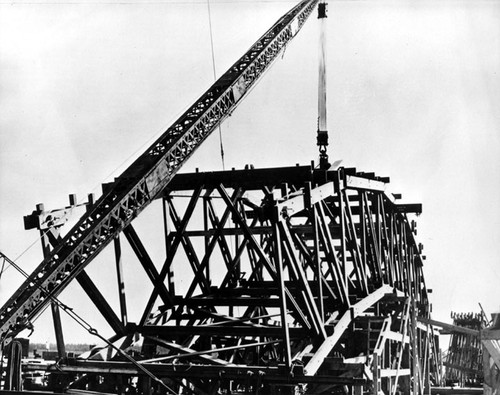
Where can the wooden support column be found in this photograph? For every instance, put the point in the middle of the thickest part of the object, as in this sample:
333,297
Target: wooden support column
317,262
342,242
56,314
390,250
168,249
206,228
415,349
376,375
362,220
237,258
120,280
278,258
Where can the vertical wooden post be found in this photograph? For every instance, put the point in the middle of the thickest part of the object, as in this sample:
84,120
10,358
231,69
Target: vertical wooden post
120,280
376,374
279,269
317,263
414,345
342,239
56,314
205,227
168,244
362,220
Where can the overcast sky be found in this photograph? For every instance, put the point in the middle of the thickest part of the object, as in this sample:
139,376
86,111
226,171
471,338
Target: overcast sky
413,93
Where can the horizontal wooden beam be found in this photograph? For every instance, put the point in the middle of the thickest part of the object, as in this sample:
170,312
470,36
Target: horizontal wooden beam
449,327
265,374
490,334
353,182
250,179
221,330
394,372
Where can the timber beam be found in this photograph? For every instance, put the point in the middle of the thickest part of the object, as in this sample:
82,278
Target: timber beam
276,375
221,331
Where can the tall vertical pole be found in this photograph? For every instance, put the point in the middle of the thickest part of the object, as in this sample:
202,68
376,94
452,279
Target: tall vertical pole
317,262
120,280
343,237
56,314
278,258
415,349
206,228
168,242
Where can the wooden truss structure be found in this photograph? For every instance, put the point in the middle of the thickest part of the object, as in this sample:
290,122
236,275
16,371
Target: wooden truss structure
473,358
274,281
464,361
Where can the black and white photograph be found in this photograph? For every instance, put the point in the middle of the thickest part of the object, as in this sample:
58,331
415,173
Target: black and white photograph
234,197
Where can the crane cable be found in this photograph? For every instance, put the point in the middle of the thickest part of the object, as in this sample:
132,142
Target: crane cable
322,135
215,78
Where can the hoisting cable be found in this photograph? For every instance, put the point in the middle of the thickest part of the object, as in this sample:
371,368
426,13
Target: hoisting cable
3,264
215,78
322,135
85,325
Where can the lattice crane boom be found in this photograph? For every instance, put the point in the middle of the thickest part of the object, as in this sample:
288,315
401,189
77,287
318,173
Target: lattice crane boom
133,190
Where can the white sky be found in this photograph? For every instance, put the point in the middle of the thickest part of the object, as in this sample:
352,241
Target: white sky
413,94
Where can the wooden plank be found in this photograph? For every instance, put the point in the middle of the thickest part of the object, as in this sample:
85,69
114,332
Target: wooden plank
221,331
394,372
399,337
490,334
353,182
449,327
493,347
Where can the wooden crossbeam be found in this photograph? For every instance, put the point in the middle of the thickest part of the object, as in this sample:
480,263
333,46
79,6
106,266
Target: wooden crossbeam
222,331
100,302
265,374
449,327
